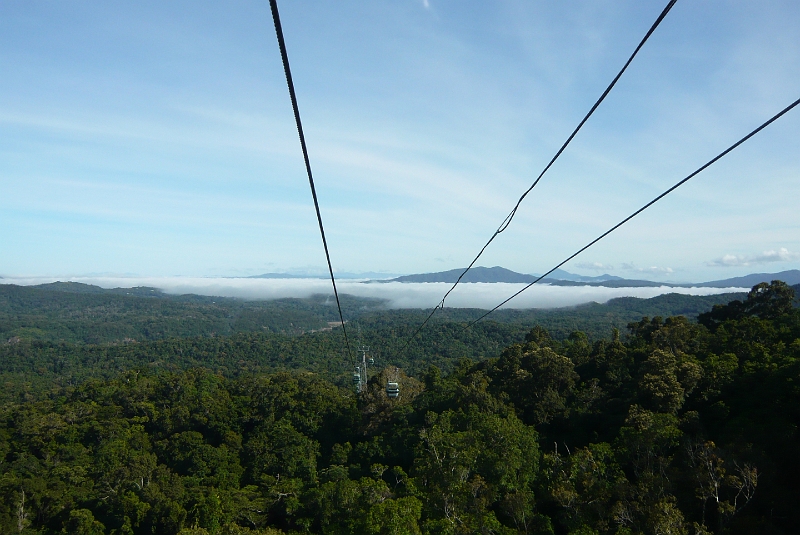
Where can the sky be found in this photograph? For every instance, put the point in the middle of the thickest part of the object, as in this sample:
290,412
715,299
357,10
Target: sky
156,139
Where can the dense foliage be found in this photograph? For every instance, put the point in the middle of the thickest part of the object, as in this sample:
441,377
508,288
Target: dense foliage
35,365
678,427
61,334
80,313
74,312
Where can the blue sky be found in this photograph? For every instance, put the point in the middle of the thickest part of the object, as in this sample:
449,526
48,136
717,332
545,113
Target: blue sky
157,139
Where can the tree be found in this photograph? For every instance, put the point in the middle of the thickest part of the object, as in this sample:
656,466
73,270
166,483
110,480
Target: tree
82,522
585,484
728,493
765,301
537,382
666,380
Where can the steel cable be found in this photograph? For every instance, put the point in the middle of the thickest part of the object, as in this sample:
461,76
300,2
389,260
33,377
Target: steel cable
507,221
279,33
648,205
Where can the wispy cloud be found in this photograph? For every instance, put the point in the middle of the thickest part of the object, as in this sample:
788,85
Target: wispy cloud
595,266
426,4
729,260
651,269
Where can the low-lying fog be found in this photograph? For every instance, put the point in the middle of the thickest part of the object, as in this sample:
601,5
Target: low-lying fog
399,295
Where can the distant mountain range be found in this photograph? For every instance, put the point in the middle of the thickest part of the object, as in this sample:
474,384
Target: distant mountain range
500,274
339,275
284,276
564,278
559,277
790,277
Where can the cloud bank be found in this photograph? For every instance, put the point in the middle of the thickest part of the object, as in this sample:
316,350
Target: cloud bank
398,295
729,260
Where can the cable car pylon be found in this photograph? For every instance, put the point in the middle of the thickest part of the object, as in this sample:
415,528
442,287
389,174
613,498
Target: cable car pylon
360,375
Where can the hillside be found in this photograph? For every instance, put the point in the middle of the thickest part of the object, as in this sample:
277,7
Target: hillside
673,427
80,313
74,312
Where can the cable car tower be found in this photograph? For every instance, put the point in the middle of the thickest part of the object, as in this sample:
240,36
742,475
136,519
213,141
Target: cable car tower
360,376
361,371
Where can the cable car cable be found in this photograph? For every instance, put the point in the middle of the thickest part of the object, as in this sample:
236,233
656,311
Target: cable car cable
279,33
507,221
646,206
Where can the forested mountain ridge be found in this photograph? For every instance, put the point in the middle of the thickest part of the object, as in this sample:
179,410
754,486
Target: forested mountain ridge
66,333
80,313
74,312
676,427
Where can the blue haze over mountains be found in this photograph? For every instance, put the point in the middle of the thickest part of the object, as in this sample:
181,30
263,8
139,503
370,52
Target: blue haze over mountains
500,274
559,277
